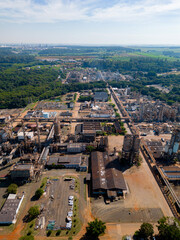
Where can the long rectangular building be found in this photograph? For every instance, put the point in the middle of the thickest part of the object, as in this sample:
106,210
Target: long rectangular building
107,179
171,172
9,211
77,162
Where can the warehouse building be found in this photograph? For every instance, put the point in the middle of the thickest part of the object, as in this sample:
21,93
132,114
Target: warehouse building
107,179
171,172
77,162
76,147
9,211
22,172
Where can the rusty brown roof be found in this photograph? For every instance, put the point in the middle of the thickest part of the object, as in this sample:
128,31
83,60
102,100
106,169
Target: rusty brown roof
105,175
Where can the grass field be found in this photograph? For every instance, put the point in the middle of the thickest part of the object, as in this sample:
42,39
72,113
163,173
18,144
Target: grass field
152,55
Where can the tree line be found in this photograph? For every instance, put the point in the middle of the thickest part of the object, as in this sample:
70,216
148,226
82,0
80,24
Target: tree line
144,64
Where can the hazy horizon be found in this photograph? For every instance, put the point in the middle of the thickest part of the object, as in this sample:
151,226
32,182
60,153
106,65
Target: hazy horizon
92,45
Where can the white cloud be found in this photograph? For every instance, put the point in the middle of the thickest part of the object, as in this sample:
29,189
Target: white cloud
123,11
29,11
72,10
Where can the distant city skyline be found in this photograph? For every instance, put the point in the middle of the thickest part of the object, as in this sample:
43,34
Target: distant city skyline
90,22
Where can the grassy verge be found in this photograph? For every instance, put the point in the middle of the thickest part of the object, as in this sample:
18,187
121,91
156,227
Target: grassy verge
43,184
29,106
75,96
29,228
7,229
77,185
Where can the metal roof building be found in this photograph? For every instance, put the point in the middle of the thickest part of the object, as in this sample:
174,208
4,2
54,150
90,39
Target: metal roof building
22,172
68,161
171,172
10,209
107,179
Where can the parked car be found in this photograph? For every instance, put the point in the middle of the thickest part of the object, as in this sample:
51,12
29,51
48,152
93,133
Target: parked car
70,213
69,225
71,197
71,203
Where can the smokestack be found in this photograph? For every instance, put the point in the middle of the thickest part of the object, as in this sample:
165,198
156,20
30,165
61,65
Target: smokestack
57,130
39,140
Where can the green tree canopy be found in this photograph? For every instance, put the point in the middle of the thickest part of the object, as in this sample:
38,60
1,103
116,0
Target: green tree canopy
27,238
39,192
12,188
90,148
168,229
95,228
33,212
146,230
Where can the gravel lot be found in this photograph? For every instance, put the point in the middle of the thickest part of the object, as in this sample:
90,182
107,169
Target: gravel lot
57,208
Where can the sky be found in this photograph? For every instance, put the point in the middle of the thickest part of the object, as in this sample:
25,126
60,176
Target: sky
90,22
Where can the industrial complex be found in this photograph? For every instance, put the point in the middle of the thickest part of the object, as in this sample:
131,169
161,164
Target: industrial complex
70,145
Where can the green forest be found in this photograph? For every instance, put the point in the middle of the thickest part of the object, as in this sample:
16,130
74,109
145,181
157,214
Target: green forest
20,85
135,64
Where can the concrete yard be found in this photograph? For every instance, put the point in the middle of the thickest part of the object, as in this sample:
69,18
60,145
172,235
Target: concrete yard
145,201
57,208
115,212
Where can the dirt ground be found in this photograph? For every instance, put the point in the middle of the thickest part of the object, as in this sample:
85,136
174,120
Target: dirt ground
144,202
144,189
115,141
116,231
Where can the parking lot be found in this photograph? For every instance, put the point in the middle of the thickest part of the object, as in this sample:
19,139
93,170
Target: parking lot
56,207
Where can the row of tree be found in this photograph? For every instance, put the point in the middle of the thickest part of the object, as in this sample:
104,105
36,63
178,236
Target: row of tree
168,229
